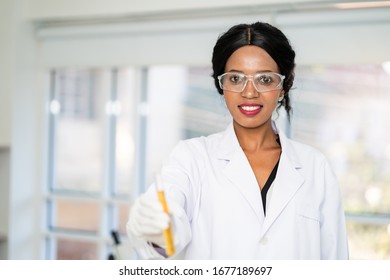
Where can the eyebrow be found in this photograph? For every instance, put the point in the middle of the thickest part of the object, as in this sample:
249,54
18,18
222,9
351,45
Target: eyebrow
261,71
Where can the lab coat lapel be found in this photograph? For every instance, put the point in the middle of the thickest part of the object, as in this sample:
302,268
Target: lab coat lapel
239,172
288,180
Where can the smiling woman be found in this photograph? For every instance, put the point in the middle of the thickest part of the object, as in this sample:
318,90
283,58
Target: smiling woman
252,173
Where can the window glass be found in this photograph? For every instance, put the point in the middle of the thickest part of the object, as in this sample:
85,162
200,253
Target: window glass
368,241
79,130
182,103
76,250
72,214
125,131
204,111
342,110
122,217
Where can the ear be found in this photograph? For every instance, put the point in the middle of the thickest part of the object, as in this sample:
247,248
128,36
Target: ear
281,96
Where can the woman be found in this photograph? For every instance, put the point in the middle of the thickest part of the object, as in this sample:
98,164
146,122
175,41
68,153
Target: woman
248,192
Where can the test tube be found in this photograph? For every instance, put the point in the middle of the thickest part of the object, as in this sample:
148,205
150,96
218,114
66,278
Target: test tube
167,233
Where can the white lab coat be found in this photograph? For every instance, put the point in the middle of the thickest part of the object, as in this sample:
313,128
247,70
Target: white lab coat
217,209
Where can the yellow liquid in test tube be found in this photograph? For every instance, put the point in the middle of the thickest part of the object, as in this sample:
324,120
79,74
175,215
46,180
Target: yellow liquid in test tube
167,233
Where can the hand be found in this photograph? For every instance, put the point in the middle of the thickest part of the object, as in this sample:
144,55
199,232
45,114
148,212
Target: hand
147,219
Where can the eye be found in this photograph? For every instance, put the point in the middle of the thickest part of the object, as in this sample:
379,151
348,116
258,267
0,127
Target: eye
235,78
264,79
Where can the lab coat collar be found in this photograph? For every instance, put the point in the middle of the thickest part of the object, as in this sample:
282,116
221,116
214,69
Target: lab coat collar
238,170
229,143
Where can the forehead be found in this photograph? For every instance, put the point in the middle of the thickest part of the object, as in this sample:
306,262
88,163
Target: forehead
251,59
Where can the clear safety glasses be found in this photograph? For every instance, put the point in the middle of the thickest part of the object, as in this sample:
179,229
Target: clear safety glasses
262,81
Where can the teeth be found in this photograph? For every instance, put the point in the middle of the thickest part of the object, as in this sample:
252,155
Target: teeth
250,108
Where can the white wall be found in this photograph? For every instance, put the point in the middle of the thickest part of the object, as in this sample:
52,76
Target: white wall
20,128
6,69
326,37
6,66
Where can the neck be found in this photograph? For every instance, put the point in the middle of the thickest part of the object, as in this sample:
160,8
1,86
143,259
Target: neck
256,139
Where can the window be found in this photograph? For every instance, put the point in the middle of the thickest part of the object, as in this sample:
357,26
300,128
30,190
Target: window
91,160
109,132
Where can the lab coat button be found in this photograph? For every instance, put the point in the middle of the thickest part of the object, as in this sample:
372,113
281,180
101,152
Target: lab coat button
264,241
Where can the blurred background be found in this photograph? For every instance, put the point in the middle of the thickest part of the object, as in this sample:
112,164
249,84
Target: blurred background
95,94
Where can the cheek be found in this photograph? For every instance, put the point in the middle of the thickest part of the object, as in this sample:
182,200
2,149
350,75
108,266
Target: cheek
230,101
273,99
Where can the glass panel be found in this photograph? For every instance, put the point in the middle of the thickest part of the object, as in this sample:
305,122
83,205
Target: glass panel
368,241
125,128
76,250
182,103
343,111
123,215
76,215
80,129
204,110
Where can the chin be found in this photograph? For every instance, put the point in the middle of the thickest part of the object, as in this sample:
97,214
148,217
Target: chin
251,124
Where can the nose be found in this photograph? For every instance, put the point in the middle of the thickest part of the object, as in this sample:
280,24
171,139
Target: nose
249,90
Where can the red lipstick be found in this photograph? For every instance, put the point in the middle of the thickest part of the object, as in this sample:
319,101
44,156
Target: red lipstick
250,109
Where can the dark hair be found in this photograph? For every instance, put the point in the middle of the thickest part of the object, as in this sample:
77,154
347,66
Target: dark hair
265,36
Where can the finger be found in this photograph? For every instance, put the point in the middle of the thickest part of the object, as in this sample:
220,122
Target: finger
140,228
151,202
144,209
146,230
159,221
147,227
152,214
